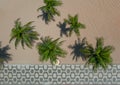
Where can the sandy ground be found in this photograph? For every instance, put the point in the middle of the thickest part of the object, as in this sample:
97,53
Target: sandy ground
101,17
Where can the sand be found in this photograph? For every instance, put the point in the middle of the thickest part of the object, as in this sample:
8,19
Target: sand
101,17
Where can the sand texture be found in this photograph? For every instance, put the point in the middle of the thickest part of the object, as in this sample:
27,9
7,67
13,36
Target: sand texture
101,17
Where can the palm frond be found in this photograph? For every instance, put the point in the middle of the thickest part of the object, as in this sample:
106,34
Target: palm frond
24,34
75,25
98,56
50,49
50,9
99,43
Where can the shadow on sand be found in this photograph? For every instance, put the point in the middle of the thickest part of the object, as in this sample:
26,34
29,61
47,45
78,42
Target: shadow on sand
4,55
63,29
45,17
79,44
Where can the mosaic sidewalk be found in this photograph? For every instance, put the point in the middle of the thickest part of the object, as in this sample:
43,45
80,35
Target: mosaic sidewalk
57,75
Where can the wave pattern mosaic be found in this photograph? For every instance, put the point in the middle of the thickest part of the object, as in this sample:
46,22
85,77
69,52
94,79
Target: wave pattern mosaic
57,75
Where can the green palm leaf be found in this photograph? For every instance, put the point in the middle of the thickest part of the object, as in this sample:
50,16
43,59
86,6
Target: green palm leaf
23,34
50,9
98,56
50,49
75,25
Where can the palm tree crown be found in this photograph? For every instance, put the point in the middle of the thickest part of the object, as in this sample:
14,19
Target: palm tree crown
98,56
75,25
50,49
50,9
24,34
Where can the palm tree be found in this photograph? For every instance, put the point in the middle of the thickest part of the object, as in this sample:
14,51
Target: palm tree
98,56
23,34
50,10
74,24
50,49
4,55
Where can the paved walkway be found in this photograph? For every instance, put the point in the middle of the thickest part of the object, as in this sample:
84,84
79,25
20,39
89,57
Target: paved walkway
57,75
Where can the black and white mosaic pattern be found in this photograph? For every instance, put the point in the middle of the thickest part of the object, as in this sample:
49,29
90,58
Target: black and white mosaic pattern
58,75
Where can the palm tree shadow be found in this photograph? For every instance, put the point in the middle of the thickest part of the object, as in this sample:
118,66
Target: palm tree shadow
79,44
45,17
4,55
63,29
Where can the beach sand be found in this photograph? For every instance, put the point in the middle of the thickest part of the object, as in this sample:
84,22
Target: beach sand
101,17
